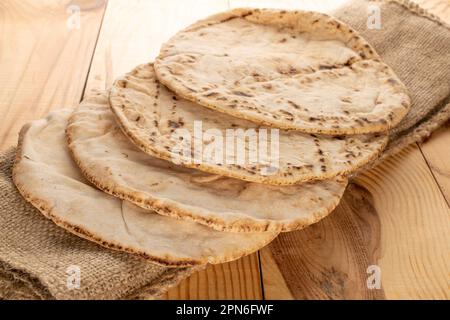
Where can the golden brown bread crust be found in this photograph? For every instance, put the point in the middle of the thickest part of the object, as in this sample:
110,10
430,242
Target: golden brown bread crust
113,164
69,209
186,70
144,109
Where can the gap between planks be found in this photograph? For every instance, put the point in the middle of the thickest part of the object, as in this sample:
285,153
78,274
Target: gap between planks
218,281
131,34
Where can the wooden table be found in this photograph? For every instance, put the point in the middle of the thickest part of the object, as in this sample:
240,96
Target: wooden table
396,216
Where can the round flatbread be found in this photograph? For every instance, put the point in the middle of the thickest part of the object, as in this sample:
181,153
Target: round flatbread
47,177
296,70
112,163
152,117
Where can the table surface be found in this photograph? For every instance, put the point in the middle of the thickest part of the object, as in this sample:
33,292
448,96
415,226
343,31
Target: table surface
395,217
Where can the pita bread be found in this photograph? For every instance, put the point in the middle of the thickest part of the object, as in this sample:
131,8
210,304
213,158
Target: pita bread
112,163
47,177
296,70
150,115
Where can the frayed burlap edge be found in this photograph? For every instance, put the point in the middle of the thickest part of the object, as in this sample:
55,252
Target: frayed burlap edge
158,287
416,134
416,9
15,284
18,285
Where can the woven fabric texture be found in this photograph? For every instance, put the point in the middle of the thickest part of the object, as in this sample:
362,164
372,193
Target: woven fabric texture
35,254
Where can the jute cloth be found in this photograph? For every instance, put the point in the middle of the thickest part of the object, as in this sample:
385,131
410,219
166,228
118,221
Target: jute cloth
416,44
37,258
35,254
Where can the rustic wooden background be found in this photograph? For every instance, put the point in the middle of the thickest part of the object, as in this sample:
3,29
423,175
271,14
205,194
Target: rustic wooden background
396,216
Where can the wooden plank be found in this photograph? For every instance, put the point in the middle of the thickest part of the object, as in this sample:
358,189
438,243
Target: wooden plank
190,289
415,227
43,62
132,33
437,154
393,217
235,280
327,260
275,286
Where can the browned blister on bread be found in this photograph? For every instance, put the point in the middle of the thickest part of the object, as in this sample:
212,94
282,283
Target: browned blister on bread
115,165
296,70
150,114
47,177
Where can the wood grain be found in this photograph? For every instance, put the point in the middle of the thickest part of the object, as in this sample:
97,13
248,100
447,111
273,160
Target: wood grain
239,279
440,8
321,6
133,32
392,216
274,284
43,63
437,154
329,260
436,151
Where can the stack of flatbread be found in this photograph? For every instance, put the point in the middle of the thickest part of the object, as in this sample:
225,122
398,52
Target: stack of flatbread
247,124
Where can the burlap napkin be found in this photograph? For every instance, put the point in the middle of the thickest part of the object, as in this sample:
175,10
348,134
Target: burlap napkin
35,254
38,259
416,44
